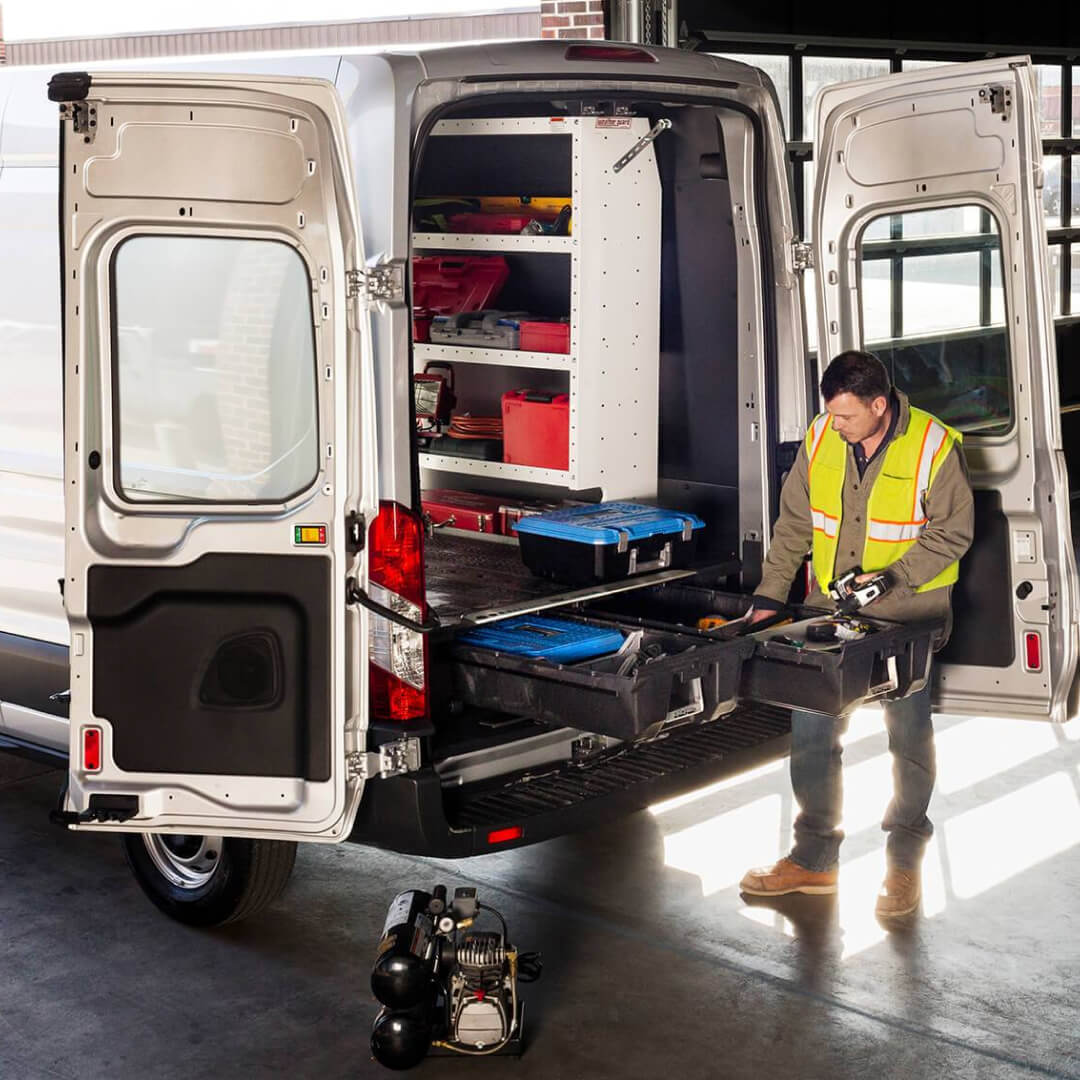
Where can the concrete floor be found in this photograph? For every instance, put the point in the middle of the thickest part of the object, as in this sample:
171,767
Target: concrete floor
653,964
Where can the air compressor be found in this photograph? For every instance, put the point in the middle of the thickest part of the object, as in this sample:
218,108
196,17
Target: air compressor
444,985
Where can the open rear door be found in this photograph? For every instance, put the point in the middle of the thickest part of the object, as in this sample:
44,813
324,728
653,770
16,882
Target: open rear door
931,251
208,235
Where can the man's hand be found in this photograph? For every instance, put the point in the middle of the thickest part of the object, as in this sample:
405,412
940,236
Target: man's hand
760,615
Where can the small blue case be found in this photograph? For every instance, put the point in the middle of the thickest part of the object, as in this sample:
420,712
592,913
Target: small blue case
541,638
609,523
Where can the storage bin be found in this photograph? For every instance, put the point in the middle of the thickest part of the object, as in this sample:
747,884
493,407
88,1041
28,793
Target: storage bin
536,429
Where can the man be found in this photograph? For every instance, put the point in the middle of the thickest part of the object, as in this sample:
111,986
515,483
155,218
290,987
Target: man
882,485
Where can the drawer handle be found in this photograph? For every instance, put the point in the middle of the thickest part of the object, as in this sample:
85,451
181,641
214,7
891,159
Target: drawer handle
891,683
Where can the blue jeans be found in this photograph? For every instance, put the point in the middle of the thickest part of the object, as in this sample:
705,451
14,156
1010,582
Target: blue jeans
817,780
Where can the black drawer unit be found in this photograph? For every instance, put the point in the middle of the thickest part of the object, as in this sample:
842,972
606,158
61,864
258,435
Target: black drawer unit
676,677
783,668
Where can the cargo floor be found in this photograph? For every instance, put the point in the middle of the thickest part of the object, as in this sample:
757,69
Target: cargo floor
469,578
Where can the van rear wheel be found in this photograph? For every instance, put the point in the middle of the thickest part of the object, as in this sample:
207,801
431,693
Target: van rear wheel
209,880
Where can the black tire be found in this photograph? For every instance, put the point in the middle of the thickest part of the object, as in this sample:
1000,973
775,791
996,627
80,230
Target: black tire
235,877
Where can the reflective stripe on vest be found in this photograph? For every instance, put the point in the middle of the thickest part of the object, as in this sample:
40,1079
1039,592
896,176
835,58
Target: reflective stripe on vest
896,510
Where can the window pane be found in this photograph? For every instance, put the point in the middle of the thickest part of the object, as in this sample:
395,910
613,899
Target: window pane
1074,289
214,369
948,221
1055,267
1051,192
952,354
1048,83
941,292
809,177
819,71
778,68
1076,101
1074,200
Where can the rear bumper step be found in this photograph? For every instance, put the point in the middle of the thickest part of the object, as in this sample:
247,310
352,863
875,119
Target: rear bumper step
414,814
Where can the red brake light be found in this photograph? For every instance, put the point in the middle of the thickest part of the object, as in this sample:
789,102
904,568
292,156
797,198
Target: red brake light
1032,651
501,836
610,52
91,749
397,672
396,546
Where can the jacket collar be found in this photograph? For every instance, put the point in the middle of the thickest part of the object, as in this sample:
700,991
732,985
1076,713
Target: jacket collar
904,419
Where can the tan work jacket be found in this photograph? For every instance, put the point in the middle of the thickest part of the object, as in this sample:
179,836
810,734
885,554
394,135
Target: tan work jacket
948,534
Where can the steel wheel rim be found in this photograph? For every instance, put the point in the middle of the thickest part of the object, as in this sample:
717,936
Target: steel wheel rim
188,862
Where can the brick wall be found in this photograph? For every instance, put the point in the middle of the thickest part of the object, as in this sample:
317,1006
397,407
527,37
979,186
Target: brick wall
572,18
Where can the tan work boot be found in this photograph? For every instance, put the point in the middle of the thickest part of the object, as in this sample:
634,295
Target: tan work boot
900,895
785,877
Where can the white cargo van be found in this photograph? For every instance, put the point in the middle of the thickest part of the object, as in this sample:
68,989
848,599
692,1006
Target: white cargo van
258,638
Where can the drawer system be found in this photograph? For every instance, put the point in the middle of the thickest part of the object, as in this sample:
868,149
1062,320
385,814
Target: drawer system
687,655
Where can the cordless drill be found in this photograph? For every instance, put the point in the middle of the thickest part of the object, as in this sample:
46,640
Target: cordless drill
850,597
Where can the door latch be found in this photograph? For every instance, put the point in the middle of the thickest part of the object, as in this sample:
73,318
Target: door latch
391,759
999,99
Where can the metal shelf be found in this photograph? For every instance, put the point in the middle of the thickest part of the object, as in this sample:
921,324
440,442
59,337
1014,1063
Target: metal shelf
465,354
497,469
434,241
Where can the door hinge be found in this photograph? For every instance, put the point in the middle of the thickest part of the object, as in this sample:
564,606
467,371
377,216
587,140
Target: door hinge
391,759
802,256
383,283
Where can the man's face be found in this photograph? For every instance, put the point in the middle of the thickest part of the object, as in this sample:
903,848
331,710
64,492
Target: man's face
854,419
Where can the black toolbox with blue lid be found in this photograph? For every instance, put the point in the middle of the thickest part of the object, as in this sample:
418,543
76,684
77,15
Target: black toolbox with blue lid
654,677
582,545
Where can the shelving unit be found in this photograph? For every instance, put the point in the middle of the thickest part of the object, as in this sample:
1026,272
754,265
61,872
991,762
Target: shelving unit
465,354
430,241
613,262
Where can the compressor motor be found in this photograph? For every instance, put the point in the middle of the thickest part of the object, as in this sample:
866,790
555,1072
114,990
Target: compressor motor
444,985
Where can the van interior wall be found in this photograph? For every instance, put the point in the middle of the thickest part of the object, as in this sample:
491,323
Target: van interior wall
698,464
699,364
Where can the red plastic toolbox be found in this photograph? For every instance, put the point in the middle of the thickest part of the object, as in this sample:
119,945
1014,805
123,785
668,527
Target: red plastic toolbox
511,513
544,335
462,509
447,285
499,223
536,429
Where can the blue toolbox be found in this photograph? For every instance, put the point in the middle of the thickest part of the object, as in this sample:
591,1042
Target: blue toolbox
541,638
607,541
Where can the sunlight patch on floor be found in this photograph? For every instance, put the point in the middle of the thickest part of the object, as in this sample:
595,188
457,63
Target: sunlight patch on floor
982,747
721,849
992,843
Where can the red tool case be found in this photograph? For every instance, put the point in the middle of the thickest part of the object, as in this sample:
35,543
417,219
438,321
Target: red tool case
448,285
536,429
544,335
462,509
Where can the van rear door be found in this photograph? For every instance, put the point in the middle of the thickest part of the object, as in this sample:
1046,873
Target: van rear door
931,251
209,249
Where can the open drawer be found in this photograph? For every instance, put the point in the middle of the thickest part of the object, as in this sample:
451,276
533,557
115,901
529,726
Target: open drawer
659,676
783,668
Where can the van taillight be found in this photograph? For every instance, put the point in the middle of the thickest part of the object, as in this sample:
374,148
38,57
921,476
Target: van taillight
610,52
398,656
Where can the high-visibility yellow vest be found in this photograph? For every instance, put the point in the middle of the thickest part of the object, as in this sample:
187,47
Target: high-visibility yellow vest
896,514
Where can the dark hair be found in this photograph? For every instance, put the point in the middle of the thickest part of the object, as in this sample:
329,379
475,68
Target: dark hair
858,373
